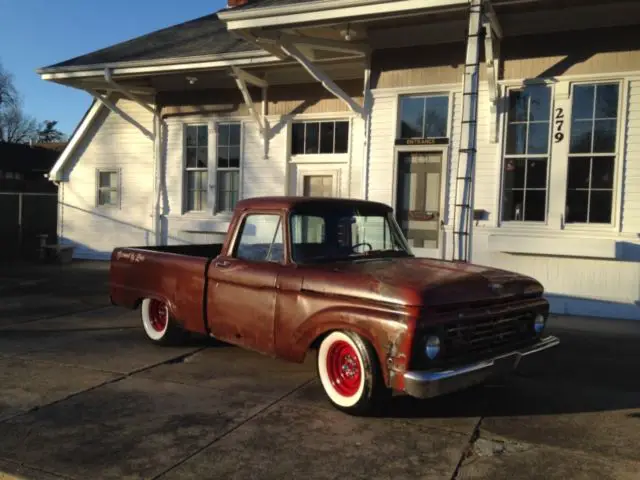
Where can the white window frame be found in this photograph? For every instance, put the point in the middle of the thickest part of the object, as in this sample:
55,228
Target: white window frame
320,157
214,168
184,191
562,96
504,155
424,94
118,188
616,200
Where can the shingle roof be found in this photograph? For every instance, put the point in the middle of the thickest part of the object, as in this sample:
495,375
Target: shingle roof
202,36
272,3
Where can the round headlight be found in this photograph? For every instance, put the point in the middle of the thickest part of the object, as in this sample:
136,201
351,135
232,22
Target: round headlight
538,325
432,347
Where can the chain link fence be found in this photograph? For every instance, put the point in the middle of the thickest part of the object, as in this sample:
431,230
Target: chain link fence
26,221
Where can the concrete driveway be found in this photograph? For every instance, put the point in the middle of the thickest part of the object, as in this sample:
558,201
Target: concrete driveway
84,395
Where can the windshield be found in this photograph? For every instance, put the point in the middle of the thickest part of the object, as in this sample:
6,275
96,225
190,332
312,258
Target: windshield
331,234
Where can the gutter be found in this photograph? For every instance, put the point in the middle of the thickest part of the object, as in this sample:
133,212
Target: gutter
324,5
119,69
332,11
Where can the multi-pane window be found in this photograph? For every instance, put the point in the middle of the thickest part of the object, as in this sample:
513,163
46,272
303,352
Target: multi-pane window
592,153
228,166
196,166
424,116
320,137
108,188
526,155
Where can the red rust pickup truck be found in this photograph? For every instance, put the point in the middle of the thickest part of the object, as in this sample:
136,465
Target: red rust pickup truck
298,274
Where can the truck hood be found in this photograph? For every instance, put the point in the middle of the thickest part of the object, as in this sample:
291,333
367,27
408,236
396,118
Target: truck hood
418,281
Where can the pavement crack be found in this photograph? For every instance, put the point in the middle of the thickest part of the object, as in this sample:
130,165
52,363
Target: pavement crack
232,429
468,450
116,379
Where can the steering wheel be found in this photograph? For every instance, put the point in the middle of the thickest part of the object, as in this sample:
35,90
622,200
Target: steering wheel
360,244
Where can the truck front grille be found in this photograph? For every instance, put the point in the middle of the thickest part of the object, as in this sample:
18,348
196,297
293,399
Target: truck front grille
475,337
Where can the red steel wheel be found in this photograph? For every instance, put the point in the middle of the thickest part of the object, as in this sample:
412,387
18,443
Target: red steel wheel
344,368
158,315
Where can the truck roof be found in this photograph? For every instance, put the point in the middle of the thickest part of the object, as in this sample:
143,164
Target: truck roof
290,202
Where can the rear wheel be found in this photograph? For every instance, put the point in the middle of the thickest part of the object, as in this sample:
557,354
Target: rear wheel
350,374
160,328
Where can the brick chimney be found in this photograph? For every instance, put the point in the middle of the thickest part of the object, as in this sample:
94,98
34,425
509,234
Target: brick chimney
236,3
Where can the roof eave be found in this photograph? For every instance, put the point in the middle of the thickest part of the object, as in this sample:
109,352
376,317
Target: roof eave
119,69
169,61
329,10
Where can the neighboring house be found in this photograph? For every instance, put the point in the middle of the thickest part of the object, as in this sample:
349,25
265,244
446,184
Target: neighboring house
24,168
28,201
367,99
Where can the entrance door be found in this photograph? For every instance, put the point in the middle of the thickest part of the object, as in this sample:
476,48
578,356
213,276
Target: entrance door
317,186
419,201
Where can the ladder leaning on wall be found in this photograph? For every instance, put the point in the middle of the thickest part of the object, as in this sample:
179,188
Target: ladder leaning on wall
463,196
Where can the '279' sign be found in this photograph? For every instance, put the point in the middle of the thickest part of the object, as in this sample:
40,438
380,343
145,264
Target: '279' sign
559,125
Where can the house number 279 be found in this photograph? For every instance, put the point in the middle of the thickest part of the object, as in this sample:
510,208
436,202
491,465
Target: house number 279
559,121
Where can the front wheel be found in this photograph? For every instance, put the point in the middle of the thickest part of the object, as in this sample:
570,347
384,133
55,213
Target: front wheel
350,374
160,328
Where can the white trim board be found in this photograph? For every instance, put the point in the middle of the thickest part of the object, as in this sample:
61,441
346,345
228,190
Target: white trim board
330,10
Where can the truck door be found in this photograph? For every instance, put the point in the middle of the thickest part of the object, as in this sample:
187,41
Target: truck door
241,298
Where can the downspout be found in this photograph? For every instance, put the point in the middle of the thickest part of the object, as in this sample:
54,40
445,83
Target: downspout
159,176
367,127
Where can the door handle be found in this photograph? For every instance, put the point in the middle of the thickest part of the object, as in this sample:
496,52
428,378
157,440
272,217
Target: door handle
223,263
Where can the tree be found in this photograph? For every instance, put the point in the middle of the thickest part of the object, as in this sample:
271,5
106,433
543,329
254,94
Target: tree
8,92
48,133
15,125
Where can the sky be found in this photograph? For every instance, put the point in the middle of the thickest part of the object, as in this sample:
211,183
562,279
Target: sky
39,33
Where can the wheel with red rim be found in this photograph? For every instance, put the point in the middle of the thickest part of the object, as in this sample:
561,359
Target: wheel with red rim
350,373
158,324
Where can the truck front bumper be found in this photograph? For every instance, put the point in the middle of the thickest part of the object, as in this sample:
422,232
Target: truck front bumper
427,384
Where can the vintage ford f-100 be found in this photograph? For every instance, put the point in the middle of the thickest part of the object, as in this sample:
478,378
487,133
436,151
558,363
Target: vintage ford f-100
336,276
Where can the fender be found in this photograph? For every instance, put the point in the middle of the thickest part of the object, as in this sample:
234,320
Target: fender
389,333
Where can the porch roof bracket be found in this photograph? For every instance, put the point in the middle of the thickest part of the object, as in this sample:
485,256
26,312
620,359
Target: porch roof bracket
492,61
112,106
242,78
109,79
321,77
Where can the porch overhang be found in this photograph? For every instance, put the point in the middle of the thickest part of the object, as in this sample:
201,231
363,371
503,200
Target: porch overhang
330,11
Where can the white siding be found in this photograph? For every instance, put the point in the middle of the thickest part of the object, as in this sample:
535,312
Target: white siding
381,149
112,143
631,192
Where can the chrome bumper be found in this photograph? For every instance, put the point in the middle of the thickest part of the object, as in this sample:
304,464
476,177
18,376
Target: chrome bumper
426,384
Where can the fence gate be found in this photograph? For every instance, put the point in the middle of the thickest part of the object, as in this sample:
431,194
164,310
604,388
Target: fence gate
24,218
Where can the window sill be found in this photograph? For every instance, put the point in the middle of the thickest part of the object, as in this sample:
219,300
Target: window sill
321,158
561,246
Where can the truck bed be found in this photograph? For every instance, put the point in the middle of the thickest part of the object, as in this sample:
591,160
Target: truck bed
174,274
208,250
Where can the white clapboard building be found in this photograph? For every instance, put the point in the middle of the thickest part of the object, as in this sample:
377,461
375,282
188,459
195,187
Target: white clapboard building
503,132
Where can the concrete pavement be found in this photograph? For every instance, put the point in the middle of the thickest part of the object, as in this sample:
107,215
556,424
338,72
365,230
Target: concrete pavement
84,395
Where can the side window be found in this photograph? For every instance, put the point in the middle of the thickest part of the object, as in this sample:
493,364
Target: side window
261,239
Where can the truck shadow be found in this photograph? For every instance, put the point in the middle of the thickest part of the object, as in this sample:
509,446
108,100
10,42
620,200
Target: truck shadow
586,373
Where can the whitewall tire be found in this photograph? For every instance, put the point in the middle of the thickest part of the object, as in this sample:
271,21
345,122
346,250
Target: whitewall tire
350,373
158,325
